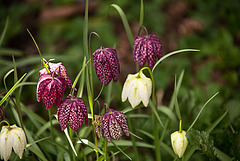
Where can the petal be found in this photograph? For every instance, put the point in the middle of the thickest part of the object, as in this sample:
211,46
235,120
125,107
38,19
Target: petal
127,85
49,95
114,63
119,116
148,81
133,97
7,143
43,81
76,117
60,87
63,113
114,128
81,104
105,125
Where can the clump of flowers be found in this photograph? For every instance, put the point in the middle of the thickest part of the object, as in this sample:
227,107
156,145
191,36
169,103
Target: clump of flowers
106,64
50,89
147,48
12,137
73,111
113,123
137,88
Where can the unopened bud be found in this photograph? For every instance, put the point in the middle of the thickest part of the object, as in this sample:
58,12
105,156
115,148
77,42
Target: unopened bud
179,142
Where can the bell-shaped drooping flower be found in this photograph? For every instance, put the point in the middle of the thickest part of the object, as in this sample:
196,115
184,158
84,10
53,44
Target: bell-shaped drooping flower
2,111
179,142
50,89
147,48
12,138
106,65
113,123
73,111
59,70
137,88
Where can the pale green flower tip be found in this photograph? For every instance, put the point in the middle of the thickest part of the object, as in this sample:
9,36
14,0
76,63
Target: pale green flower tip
179,142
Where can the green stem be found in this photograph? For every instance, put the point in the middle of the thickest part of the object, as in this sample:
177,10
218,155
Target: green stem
105,148
133,140
155,121
6,123
50,120
180,126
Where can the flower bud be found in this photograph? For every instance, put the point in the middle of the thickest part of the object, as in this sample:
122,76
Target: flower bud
13,137
179,142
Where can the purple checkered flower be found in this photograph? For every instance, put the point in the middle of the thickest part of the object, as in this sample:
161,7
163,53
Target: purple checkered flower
58,69
147,48
113,123
73,111
2,111
50,89
106,65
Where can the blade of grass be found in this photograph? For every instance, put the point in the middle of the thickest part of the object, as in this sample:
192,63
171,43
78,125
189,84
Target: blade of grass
5,77
121,150
170,54
201,111
4,31
125,23
155,113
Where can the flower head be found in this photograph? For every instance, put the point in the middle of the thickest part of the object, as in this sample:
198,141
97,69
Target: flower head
50,89
13,137
2,111
179,142
60,70
106,65
73,111
113,123
147,48
137,88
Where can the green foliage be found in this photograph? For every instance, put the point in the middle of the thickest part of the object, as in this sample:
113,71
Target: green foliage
201,141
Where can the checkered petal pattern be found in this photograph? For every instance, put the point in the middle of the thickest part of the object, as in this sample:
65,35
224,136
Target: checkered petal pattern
50,89
106,65
113,123
147,48
72,111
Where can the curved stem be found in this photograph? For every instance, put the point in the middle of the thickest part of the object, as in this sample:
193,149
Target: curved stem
6,123
145,29
98,105
153,84
91,39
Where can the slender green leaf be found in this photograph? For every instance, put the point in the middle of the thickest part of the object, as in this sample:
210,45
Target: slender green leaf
167,112
155,113
176,102
46,126
11,90
170,54
10,52
125,23
81,83
70,141
222,156
4,31
121,150
201,111
5,77
91,145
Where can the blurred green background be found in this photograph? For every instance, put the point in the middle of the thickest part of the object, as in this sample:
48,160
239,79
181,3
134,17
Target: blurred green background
211,26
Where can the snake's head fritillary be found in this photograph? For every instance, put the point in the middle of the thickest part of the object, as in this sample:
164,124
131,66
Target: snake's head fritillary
50,89
72,111
147,48
106,65
113,123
